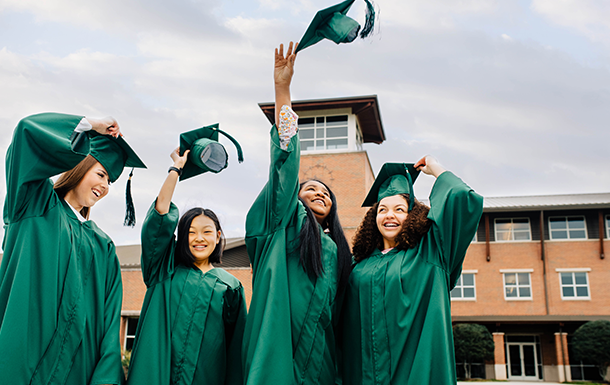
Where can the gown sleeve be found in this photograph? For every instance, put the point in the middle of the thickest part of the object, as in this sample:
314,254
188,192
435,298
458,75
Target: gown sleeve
108,369
455,210
234,317
278,200
43,145
158,243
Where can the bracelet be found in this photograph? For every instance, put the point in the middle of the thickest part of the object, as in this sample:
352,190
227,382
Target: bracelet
178,170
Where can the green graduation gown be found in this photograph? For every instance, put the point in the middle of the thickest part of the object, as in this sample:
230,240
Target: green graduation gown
289,337
191,326
397,321
60,279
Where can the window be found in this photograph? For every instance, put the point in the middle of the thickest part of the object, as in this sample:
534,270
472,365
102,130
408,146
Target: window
567,228
323,133
607,226
359,139
574,283
130,332
517,284
513,229
464,290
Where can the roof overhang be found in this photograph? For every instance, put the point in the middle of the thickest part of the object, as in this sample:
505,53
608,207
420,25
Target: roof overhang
547,202
366,108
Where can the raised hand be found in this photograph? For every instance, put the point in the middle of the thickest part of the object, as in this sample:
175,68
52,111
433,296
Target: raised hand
430,166
179,161
282,75
106,126
284,66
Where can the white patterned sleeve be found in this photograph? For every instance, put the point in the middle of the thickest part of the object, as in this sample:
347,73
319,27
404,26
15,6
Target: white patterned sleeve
288,126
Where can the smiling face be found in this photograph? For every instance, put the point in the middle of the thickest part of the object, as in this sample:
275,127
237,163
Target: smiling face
392,213
317,197
92,187
203,238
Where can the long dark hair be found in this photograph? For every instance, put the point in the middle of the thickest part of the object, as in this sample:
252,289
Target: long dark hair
183,252
368,238
71,178
311,242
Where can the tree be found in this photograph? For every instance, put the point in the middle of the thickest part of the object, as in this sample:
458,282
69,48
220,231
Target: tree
591,342
473,343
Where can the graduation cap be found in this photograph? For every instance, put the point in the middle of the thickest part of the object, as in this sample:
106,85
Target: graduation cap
333,24
207,154
115,154
393,179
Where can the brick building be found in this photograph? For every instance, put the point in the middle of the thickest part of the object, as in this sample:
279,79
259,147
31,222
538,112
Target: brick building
533,274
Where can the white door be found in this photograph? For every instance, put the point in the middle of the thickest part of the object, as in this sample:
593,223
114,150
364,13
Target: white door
522,361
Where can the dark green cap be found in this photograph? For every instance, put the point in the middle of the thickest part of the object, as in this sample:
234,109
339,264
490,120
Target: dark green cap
207,154
393,179
114,154
333,24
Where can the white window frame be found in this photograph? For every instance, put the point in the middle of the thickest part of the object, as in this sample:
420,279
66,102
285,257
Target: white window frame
585,270
568,228
512,230
607,226
517,271
474,286
325,138
127,335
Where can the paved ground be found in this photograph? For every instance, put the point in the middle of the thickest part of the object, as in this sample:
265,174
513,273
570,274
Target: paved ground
507,382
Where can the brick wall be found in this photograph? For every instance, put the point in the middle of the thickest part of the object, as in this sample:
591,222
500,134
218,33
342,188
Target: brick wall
349,175
526,255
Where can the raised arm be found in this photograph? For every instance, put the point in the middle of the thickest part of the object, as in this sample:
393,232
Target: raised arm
158,229
167,189
278,199
455,210
282,76
45,145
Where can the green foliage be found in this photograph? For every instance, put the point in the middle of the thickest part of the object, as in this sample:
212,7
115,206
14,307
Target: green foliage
473,343
126,358
591,342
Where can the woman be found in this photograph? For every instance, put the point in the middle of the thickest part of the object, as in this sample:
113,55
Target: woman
191,326
298,268
397,320
60,279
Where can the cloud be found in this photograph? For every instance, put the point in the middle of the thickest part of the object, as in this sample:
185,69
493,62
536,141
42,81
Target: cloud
433,14
509,116
127,17
590,18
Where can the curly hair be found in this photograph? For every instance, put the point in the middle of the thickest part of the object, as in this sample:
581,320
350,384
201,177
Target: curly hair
368,238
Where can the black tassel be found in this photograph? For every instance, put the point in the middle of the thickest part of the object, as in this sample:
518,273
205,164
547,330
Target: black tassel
369,23
130,211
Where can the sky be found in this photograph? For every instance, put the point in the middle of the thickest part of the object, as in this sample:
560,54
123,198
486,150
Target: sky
512,96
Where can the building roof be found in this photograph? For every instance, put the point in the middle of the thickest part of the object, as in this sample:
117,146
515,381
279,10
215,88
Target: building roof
547,202
234,254
366,108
